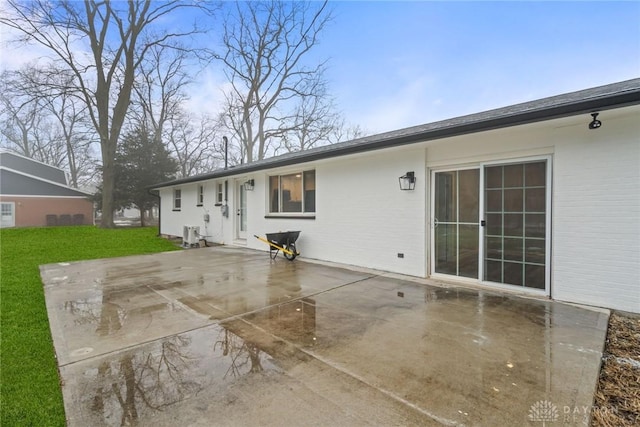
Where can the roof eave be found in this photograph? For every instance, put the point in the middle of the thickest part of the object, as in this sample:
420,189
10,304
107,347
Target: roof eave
599,103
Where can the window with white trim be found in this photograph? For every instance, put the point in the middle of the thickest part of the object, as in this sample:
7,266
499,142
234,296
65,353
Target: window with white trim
219,195
7,214
293,193
200,195
7,209
177,199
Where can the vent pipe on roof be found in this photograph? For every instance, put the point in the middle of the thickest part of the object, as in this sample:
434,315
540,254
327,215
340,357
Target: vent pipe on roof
226,152
226,165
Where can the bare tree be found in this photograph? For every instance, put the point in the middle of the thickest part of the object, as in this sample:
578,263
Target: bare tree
313,121
192,141
20,118
75,137
119,36
42,119
265,46
343,131
159,89
70,115
159,106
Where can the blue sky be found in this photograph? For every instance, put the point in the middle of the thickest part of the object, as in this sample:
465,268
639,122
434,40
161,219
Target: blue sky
397,64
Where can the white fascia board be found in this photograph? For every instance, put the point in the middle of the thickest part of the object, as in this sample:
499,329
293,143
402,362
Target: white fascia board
8,196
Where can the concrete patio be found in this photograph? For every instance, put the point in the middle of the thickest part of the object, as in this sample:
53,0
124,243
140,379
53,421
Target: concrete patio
225,336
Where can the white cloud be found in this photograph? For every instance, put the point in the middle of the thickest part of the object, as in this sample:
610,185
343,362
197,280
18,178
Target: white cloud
206,93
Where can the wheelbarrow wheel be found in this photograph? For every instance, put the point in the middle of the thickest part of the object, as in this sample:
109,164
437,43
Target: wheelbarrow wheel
291,247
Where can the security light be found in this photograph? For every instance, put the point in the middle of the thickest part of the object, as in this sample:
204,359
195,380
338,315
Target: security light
595,123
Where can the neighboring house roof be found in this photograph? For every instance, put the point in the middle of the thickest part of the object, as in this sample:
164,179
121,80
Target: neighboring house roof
21,176
32,167
599,98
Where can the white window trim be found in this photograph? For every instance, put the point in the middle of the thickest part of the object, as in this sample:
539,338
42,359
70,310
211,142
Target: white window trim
200,195
13,213
279,214
175,199
219,193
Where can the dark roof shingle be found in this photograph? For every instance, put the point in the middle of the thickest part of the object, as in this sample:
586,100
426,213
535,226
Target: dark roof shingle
599,98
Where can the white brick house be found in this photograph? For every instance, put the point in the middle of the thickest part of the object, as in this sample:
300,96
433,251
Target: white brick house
526,198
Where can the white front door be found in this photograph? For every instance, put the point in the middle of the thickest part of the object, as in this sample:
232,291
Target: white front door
241,211
8,214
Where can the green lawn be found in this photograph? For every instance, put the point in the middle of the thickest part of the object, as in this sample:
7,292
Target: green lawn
29,384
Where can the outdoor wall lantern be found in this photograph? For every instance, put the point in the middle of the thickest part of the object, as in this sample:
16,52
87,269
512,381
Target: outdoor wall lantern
248,185
595,123
408,181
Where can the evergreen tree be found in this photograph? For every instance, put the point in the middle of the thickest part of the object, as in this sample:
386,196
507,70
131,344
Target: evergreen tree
139,163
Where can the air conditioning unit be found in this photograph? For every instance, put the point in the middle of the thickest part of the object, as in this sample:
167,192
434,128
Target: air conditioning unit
190,235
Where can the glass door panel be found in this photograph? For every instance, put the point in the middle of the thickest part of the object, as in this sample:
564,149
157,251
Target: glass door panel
468,250
456,212
515,214
241,223
446,249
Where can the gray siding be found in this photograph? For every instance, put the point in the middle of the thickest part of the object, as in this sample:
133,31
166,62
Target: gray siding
12,183
31,167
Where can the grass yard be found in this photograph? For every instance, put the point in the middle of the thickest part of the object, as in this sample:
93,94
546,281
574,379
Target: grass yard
29,387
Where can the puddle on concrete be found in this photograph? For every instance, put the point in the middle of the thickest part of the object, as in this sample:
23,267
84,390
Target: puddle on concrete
187,341
113,304
466,356
139,384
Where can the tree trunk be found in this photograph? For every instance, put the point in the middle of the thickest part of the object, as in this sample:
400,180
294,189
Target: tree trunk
108,185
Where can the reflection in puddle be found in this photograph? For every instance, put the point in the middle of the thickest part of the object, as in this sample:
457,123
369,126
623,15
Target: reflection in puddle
154,380
123,389
242,354
469,356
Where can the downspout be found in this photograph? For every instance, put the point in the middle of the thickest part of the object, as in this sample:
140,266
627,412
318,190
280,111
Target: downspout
157,194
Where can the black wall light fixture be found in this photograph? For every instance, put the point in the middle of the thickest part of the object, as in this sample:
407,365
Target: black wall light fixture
408,181
595,123
248,185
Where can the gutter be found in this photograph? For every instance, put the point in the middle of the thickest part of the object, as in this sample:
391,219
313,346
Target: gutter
515,115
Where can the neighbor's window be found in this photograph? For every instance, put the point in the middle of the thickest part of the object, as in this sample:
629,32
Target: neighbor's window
177,199
219,198
293,193
200,195
7,209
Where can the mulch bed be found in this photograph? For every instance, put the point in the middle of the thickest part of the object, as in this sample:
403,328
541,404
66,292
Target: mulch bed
617,400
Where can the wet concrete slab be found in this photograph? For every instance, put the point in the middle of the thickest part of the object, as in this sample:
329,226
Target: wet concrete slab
224,336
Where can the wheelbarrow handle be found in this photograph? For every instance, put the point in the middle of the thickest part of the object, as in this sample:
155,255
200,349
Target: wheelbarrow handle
286,251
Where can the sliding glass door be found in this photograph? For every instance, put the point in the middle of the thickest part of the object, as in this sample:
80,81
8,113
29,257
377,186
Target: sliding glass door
456,222
490,223
515,232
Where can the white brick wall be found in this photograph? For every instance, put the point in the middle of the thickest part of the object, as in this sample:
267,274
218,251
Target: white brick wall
595,199
190,214
596,216
364,219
